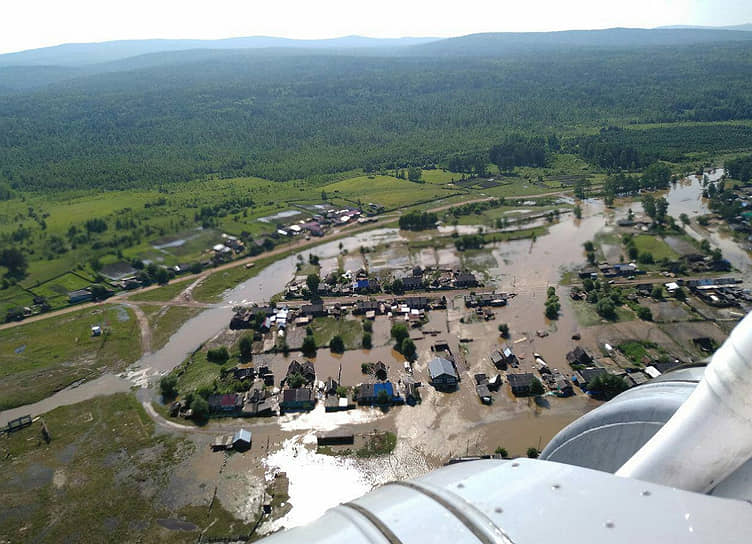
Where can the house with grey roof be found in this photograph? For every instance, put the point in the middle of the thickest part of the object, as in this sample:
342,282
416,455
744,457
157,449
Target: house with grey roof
443,374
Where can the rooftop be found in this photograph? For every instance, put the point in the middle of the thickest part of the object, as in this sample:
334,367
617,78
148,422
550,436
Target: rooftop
438,366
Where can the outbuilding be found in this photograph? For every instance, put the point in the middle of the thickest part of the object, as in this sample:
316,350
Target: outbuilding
241,441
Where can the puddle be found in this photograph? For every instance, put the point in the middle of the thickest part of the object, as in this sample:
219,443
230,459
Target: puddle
177,525
122,314
278,216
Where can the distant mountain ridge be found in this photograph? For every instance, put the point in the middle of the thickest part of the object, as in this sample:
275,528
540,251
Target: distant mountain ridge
80,54
747,27
40,68
492,43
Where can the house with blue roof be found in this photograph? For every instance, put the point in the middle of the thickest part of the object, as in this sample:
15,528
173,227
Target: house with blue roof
376,393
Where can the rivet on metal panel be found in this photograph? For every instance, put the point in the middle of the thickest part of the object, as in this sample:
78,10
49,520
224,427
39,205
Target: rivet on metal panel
515,465
556,486
645,493
498,510
460,485
609,524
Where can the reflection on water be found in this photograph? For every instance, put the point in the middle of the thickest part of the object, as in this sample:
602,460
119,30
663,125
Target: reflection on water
319,420
317,482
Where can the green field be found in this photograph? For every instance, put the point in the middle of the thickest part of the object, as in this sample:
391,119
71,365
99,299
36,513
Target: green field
654,245
351,331
56,290
102,478
39,358
165,293
197,372
387,191
588,317
14,297
139,220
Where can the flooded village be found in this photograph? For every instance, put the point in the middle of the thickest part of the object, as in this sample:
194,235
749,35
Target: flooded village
387,353
489,372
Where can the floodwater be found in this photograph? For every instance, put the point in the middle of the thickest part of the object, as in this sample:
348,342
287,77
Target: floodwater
442,425
177,242
106,384
685,196
320,482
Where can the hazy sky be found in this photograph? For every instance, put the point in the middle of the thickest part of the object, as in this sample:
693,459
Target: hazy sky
27,24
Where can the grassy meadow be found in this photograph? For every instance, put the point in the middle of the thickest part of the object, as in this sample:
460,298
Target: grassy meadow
112,470
41,357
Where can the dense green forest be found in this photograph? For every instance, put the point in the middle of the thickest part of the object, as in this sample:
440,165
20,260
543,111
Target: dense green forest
292,116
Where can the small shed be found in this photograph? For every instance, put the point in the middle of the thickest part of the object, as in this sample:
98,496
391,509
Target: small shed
520,383
337,437
222,442
484,394
241,440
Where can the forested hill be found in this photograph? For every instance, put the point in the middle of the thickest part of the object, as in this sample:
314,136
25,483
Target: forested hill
507,43
300,115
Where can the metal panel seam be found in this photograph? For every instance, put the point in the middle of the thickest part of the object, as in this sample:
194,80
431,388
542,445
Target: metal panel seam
480,533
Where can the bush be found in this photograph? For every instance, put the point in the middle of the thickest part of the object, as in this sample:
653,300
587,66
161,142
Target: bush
608,385
168,386
399,333
657,292
309,346
367,325
504,330
337,345
501,451
536,388
200,408
342,391
246,347
383,397
552,304
644,313
367,342
645,258
606,308
218,355
296,380
408,349
533,453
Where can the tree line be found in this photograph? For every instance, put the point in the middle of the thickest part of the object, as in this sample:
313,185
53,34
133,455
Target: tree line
297,116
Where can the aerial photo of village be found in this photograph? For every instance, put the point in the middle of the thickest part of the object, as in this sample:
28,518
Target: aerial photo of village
212,332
